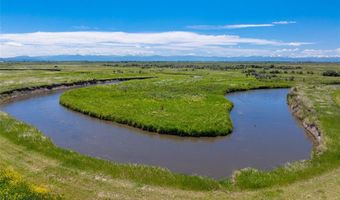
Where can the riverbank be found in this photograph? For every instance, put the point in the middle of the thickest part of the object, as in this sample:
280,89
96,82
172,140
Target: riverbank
26,91
306,115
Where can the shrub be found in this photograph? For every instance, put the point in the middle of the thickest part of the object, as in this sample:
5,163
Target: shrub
330,73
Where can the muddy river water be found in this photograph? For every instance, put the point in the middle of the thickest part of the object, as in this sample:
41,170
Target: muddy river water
265,136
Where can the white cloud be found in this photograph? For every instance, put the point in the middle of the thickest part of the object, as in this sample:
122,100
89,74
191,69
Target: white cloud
284,22
306,53
246,26
16,44
237,26
320,53
234,26
148,44
299,43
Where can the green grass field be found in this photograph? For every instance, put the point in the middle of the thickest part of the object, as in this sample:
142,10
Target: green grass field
12,186
47,171
337,97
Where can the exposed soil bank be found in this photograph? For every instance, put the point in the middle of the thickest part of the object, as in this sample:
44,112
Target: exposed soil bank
305,114
28,69
16,93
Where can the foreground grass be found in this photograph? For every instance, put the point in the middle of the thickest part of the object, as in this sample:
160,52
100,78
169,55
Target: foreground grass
337,97
12,186
73,176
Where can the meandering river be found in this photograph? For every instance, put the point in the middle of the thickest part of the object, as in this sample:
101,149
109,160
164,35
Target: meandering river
265,136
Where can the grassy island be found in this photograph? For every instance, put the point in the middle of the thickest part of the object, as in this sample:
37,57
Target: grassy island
186,105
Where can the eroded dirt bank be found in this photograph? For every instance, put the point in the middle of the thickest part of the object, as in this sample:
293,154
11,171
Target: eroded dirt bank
20,92
307,116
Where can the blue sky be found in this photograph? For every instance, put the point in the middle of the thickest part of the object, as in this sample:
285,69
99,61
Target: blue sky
170,28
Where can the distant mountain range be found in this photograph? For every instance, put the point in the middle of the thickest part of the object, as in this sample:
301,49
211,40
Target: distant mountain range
164,58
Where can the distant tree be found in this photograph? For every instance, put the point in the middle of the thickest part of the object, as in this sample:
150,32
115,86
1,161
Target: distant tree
330,73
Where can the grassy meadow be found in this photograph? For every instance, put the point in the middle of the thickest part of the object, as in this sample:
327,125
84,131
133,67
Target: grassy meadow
337,97
12,186
185,99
